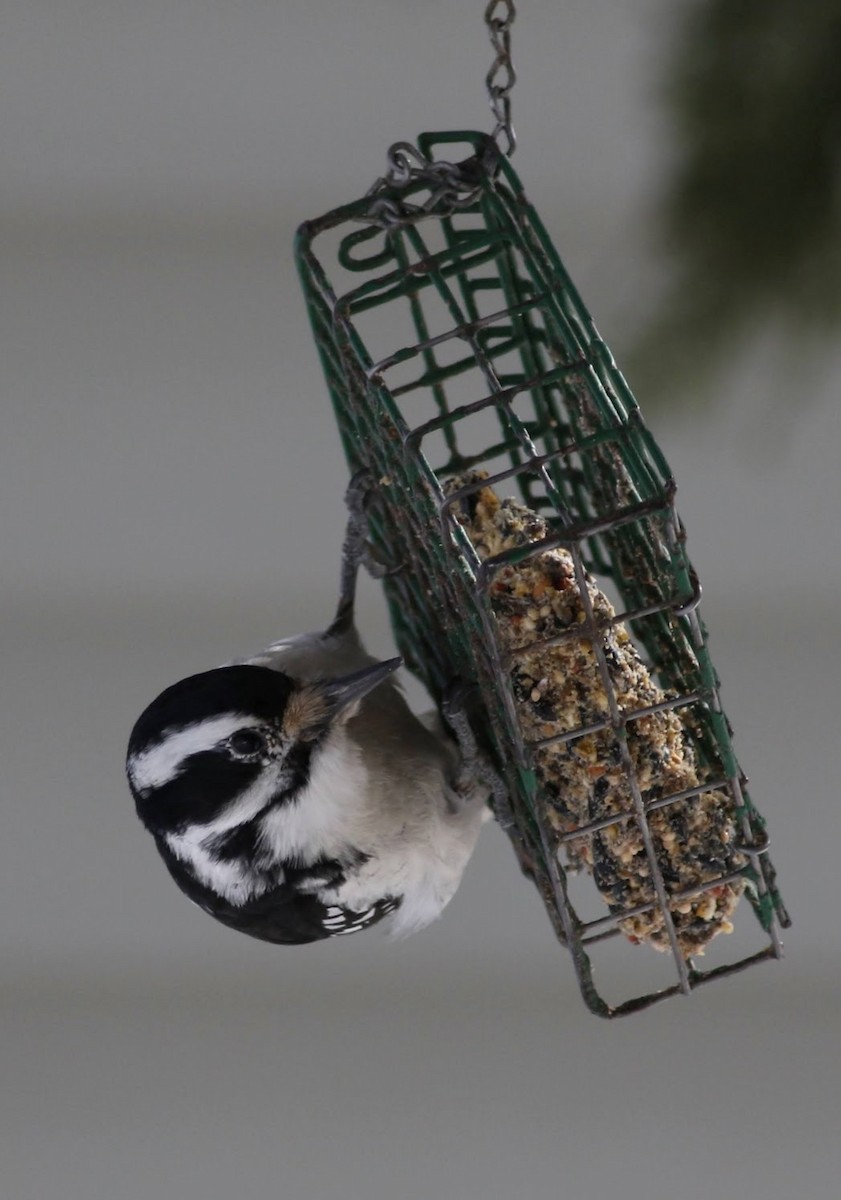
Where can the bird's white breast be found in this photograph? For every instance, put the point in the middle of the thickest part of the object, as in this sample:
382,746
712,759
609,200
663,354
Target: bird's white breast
329,814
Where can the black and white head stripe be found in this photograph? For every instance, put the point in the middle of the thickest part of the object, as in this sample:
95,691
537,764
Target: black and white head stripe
256,691
180,766
163,760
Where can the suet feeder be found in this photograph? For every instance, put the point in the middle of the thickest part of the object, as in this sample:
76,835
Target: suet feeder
454,342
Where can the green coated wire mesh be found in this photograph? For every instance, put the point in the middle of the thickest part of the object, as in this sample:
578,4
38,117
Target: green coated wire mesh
453,341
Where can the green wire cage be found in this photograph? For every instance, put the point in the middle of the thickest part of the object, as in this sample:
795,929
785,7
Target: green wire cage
453,341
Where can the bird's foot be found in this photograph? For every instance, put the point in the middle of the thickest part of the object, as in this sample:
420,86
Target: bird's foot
474,766
356,548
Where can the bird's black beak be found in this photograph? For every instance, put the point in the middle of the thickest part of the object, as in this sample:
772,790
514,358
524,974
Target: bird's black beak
344,694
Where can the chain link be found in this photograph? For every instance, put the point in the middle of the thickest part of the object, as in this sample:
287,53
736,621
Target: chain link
450,185
499,17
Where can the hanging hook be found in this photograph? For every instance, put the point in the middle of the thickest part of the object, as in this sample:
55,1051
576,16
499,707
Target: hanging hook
500,79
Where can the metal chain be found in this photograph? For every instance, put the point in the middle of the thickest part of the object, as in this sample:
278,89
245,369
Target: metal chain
450,185
499,17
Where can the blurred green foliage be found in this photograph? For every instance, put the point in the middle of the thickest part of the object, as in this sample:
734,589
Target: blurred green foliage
751,215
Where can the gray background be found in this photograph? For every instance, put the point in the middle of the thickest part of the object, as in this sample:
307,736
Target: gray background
170,484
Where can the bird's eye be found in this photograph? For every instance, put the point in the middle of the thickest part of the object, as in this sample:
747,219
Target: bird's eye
246,743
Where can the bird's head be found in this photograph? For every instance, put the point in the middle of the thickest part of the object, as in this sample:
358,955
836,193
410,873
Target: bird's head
217,749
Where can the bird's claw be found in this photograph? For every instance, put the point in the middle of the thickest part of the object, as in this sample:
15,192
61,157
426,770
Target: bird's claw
358,492
474,765
358,548
375,567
